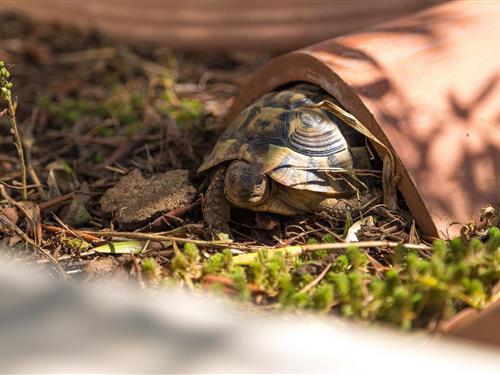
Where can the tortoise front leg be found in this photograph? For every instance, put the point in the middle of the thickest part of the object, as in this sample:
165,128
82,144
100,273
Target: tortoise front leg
338,207
216,208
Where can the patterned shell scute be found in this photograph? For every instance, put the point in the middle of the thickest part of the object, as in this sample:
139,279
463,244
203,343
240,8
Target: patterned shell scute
296,145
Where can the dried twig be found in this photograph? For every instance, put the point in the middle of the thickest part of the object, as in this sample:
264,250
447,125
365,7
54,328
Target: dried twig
225,281
68,257
33,221
155,237
176,213
37,183
72,233
246,259
127,147
54,202
316,280
294,250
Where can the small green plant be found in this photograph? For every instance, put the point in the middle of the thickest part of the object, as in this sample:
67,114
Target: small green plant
184,111
323,297
125,107
76,244
240,283
218,263
6,94
188,111
151,270
186,264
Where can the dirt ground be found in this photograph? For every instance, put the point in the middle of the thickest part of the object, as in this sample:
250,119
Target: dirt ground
95,115
92,110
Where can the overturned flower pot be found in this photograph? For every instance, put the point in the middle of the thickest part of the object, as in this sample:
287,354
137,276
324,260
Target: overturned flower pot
428,87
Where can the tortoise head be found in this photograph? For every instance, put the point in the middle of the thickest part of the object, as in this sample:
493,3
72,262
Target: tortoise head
245,185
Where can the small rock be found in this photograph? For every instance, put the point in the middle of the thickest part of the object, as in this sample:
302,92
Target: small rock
134,200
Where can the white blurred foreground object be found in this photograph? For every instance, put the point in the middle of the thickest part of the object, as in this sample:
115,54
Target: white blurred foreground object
46,326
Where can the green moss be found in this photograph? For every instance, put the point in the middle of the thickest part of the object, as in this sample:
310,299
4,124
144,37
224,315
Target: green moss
76,244
186,112
106,132
240,283
328,238
192,253
300,300
179,264
357,259
276,267
341,264
413,291
151,270
122,105
322,298
148,265
97,158
189,111
218,263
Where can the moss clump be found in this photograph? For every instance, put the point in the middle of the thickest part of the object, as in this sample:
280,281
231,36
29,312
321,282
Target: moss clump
76,244
218,263
240,282
184,111
123,106
323,297
151,270
186,264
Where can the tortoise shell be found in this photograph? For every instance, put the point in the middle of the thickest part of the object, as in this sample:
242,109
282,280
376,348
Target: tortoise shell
296,145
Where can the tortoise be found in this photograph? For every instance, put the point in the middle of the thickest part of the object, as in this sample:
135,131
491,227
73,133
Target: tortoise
283,154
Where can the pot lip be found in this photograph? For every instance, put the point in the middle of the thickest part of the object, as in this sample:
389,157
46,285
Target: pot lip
470,324
306,66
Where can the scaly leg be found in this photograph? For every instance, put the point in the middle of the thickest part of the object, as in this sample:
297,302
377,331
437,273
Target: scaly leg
216,209
338,207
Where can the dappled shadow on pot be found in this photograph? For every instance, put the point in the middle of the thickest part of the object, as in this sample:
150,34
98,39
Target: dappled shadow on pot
427,87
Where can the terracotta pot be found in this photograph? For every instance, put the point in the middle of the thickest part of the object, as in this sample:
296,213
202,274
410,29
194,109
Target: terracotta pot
428,86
